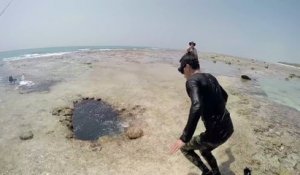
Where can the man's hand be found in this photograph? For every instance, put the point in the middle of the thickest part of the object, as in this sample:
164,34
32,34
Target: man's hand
176,146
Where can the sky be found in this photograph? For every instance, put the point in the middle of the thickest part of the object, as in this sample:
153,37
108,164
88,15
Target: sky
262,29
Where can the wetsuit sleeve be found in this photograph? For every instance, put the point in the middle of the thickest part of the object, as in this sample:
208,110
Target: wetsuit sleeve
195,110
224,93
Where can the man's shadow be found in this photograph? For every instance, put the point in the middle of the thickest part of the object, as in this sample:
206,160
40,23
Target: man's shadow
225,166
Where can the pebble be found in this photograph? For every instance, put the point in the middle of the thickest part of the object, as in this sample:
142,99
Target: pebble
26,135
134,132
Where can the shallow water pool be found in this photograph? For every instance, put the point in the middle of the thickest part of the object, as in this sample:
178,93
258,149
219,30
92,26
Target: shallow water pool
282,91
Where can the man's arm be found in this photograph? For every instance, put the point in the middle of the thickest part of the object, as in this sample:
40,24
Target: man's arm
224,94
195,110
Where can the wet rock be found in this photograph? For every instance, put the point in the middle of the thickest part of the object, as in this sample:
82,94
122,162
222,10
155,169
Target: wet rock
294,76
136,107
66,112
123,110
96,146
228,62
56,111
134,132
281,147
67,121
26,135
245,77
70,136
70,126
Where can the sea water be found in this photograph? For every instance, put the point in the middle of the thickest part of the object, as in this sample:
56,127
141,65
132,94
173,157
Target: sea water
56,51
285,92
93,119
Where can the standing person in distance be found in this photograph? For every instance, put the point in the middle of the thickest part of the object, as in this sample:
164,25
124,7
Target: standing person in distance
192,49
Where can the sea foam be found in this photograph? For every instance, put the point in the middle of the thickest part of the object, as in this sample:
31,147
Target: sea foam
34,55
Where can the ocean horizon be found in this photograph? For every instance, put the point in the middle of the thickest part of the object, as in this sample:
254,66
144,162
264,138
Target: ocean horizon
61,50
56,51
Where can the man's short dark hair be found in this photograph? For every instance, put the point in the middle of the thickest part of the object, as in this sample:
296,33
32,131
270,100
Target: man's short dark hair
190,59
192,43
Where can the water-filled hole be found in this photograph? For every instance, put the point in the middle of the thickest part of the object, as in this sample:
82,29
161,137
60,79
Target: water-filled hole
93,119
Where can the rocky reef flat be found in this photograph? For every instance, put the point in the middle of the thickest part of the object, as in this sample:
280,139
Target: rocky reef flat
148,92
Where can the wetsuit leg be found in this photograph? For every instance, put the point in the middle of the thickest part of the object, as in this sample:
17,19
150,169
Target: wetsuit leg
189,153
211,160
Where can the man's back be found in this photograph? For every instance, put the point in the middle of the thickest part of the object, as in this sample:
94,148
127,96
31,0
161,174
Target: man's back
212,99
208,101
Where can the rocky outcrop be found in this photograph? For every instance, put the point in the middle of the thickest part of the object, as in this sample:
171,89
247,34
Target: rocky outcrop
63,111
26,135
245,77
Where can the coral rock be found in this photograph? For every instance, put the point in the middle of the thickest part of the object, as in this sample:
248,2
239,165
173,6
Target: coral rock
134,132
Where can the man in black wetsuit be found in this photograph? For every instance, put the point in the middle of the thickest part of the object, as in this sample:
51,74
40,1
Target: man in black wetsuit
208,100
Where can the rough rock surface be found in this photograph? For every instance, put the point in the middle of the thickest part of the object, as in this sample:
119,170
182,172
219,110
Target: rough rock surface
134,132
26,135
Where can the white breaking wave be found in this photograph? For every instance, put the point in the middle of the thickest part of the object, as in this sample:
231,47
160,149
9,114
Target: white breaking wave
26,83
34,55
287,65
84,49
109,49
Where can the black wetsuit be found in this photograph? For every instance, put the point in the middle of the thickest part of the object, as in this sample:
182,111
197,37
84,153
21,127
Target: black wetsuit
208,100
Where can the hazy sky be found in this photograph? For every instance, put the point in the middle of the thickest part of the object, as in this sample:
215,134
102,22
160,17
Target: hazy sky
250,28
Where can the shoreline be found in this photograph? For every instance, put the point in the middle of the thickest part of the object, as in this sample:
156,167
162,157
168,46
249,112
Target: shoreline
294,65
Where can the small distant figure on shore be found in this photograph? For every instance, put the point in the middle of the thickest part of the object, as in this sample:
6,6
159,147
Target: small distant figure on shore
12,80
192,49
23,77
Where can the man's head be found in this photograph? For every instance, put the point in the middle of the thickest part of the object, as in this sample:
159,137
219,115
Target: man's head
188,65
192,44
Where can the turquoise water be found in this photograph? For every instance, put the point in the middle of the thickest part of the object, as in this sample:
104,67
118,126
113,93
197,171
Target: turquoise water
282,91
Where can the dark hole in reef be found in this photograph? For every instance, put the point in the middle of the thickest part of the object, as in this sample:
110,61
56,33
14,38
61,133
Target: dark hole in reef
93,119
